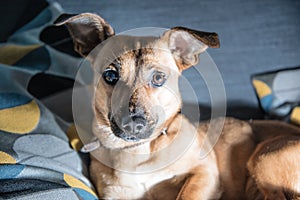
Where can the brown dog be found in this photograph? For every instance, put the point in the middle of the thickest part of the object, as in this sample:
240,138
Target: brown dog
142,134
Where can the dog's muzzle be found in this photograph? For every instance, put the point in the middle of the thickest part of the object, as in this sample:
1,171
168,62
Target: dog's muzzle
131,129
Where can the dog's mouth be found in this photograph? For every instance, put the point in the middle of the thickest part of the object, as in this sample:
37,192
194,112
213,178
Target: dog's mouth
130,135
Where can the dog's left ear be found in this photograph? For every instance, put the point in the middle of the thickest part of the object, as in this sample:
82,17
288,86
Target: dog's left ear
87,30
186,45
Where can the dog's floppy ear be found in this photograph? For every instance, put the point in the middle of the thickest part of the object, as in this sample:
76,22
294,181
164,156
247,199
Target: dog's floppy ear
87,30
186,45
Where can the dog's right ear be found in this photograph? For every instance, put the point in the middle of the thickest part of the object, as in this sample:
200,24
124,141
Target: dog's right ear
87,30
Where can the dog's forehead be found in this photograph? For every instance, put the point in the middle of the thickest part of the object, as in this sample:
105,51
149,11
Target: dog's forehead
143,62
149,55
123,50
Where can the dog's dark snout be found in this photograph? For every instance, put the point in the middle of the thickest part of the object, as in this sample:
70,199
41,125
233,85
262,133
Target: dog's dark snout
134,124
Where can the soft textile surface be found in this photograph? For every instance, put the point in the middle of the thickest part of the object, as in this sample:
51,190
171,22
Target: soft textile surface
39,156
279,94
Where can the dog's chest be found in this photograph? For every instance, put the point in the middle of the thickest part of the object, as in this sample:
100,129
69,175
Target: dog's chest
152,180
144,186
143,181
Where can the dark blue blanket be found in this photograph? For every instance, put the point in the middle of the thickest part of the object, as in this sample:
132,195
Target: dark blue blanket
39,156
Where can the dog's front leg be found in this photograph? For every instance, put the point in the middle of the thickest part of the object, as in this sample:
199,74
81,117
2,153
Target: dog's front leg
202,186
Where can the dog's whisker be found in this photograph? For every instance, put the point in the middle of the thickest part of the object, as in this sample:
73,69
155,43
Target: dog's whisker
114,55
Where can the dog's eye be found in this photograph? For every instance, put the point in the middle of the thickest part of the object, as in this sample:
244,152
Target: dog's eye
158,79
110,76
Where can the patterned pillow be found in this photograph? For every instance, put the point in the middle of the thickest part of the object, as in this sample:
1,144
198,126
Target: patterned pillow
279,94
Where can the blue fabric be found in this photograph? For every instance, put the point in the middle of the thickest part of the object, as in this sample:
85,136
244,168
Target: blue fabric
10,171
266,102
37,60
36,158
8,100
43,18
84,194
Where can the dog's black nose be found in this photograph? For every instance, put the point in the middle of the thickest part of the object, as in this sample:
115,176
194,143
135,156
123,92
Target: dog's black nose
134,125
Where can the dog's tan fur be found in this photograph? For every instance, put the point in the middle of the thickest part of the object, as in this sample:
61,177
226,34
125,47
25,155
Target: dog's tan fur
274,165
241,165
